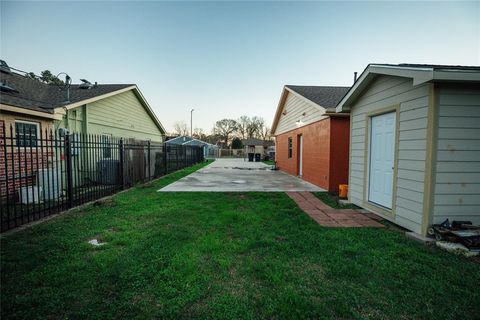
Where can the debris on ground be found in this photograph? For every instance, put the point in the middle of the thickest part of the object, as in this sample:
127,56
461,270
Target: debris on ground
458,237
106,202
458,231
457,248
96,243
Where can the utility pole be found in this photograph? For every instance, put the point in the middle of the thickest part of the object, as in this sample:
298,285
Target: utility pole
191,122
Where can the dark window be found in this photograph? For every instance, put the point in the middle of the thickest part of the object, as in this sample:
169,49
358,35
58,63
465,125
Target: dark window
290,147
107,146
27,133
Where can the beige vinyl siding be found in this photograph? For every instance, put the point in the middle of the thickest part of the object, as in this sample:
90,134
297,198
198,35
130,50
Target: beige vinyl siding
295,106
457,183
384,92
122,115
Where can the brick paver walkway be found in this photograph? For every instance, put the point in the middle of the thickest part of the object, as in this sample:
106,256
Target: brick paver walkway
326,216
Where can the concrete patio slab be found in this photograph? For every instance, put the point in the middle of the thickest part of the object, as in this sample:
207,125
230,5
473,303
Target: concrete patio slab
237,175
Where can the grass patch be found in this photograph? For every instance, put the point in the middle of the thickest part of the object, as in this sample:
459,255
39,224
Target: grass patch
269,162
333,200
224,256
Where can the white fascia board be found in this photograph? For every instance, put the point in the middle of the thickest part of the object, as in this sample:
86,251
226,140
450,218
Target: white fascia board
419,76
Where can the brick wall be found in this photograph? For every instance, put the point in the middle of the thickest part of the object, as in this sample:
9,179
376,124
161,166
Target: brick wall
18,167
325,152
316,146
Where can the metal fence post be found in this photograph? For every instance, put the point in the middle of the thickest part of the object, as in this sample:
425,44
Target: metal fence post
165,157
177,149
69,167
148,159
122,169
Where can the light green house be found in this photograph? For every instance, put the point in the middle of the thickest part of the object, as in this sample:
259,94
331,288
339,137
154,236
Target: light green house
31,108
121,112
118,110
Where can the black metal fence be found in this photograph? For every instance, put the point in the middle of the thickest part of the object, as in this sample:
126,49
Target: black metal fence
43,173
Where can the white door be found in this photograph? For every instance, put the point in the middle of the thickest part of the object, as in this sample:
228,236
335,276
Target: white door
382,152
300,156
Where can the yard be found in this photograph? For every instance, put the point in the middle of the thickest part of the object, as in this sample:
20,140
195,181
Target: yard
224,255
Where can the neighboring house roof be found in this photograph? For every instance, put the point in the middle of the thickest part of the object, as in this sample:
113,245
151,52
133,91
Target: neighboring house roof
325,97
179,140
186,140
48,99
39,96
419,73
257,142
196,142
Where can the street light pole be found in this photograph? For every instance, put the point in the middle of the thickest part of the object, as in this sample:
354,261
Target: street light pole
191,122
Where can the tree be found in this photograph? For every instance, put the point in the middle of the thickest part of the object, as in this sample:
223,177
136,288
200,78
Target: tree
213,138
243,123
49,78
237,143
31,75
180,128
225,128
199,134
255,127
265,133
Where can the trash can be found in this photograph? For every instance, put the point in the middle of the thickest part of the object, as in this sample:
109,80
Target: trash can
258,157
250,157
343,188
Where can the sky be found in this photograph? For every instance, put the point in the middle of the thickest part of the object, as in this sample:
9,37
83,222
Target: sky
228,59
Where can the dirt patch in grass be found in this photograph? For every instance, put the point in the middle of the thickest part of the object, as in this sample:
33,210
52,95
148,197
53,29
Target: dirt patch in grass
108,202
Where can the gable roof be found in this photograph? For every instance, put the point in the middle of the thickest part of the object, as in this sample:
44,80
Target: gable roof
186,140
42,98
419,73
196,142
179,140
35,95
257,142
325,97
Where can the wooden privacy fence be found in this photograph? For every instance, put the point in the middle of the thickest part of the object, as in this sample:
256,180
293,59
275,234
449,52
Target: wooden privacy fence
42,172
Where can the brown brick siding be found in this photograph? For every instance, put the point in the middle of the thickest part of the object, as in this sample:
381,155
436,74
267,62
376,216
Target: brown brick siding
325,152
22,163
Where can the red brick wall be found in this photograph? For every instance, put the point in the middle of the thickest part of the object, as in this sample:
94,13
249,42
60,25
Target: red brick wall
316,146
325,152
339,152
22,165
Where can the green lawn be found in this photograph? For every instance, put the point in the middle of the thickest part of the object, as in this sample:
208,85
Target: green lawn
224,255
269,162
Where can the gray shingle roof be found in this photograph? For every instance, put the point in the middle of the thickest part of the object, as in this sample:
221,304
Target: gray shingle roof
35,95
179,140
433,66
257,142
186,140
326,97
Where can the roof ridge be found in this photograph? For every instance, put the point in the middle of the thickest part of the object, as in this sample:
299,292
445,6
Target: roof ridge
315,86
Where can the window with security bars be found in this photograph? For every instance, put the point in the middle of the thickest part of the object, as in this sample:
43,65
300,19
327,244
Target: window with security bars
290,147
26,133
